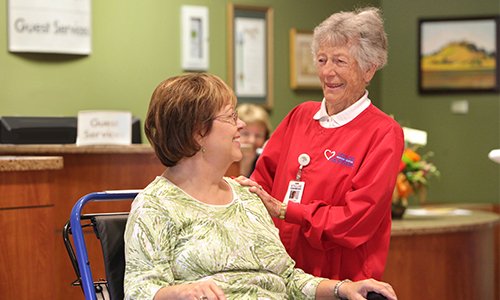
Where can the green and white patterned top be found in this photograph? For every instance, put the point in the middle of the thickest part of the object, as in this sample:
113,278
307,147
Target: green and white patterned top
172,238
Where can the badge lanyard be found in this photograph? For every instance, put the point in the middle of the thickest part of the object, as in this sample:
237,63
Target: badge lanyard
296,187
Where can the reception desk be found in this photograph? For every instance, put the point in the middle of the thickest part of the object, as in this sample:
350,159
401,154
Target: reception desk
27,228
444,254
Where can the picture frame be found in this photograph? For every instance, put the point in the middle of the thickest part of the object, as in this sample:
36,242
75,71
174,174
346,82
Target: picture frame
250,53
194,38
302,69
458,55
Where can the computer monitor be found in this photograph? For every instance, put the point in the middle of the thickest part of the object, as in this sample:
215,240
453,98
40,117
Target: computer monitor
48,130
37,130
136,131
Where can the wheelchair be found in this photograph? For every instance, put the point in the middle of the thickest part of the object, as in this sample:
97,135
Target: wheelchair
109,229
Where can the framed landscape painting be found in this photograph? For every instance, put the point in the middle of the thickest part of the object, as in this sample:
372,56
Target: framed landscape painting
459,55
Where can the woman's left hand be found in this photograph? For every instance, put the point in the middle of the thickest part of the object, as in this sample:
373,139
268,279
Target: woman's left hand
272,204
358,290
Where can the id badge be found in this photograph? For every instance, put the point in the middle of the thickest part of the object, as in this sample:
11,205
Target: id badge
295,191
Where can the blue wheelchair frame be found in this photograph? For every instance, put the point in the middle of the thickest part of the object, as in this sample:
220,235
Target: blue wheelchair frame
87,281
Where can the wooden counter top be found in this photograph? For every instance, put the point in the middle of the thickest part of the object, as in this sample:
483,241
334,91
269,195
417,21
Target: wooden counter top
440,253
30,163
442,220
74,149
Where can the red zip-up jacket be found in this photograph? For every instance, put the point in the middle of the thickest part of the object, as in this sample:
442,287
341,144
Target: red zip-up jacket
341,229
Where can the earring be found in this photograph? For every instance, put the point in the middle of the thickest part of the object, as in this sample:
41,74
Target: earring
203,150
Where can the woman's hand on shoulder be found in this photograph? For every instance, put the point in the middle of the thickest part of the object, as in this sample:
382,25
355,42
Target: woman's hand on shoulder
245,181
358,290
272,205
201,290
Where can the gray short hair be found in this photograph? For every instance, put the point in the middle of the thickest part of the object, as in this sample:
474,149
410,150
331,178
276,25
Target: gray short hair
362,30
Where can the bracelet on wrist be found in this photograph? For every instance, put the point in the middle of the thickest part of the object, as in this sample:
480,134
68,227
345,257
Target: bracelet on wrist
282,214
337,288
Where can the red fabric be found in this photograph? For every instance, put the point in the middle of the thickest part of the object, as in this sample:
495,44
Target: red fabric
341,229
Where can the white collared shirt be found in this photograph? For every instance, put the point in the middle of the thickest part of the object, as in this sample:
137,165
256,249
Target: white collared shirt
343,117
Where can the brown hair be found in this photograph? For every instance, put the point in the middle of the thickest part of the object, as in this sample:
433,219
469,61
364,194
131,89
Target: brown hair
182,108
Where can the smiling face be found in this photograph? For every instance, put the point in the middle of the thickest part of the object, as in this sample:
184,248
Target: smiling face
182,112
223,140
342,79
254,134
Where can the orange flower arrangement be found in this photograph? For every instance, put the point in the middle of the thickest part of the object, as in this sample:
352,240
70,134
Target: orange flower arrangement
413,177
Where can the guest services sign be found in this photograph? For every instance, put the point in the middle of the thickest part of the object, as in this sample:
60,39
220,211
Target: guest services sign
50,26
104,128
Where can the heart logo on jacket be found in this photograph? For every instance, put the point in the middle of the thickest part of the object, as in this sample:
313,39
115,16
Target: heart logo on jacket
329,154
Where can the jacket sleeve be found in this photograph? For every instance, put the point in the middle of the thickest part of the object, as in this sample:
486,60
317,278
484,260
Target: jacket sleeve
366,205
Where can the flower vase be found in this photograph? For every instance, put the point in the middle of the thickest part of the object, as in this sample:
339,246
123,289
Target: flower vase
398,210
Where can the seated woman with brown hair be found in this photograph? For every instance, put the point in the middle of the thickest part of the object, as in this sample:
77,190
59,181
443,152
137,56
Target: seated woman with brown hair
193,233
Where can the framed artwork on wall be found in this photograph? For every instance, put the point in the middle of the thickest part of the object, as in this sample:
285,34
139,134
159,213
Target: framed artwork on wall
194,38
459,55
250,48
302,70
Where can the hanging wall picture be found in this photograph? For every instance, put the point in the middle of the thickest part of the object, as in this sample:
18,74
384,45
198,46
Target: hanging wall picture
302,70
250,49
459,55
194,38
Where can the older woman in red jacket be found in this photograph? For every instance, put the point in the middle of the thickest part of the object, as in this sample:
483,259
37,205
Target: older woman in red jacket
328,171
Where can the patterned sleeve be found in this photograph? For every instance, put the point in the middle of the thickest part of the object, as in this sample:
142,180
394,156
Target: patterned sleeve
302,285
149,240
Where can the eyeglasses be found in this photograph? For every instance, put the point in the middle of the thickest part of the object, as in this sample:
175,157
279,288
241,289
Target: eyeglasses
232,118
